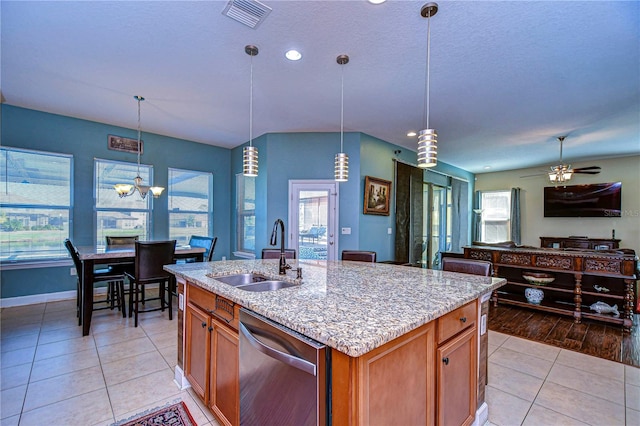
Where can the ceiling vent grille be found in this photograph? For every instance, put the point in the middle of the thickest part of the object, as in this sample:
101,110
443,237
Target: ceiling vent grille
248,12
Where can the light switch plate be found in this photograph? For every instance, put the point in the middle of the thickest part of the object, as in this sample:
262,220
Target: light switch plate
346,231
483,324
181,302
389,231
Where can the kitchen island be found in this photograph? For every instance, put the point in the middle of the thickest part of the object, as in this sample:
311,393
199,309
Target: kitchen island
386,326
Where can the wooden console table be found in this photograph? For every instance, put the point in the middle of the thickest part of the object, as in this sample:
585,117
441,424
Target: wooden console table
582,277
580,242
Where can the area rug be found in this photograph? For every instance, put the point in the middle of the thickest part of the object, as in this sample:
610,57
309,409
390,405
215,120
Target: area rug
171,415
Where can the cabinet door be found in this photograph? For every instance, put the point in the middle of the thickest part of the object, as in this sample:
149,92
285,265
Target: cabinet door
457,379
225,376
197,349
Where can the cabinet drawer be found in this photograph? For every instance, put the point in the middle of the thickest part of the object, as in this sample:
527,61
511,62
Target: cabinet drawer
456,321
202,298
223,309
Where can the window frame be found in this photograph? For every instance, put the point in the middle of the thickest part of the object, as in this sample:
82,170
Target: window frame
96,210
241,215
498,222
63,254
209,211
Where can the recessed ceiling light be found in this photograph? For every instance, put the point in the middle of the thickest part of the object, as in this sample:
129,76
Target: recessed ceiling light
411,134
376,1
293,55
487,167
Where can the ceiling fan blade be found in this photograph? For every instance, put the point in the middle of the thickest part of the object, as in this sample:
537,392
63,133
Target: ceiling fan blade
587,172
588,168
536,175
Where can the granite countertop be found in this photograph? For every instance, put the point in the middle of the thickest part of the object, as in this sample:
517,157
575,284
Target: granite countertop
353,307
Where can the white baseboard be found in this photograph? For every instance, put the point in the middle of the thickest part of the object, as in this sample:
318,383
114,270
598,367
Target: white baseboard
482,415
179,378
37,298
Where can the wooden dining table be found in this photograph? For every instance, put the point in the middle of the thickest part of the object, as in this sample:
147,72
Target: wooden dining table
90,256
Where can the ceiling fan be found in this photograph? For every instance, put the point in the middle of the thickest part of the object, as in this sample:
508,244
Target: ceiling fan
563,172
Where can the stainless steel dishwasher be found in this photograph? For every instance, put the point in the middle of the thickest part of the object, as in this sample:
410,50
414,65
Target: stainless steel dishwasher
283,375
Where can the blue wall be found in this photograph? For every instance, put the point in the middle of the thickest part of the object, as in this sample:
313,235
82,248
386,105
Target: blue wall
86,140
283,156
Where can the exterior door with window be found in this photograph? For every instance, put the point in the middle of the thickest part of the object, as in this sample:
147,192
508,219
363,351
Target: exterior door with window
313,209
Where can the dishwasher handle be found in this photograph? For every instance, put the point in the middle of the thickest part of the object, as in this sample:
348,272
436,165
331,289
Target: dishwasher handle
293,361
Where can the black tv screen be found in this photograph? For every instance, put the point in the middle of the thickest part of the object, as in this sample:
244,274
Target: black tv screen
593,200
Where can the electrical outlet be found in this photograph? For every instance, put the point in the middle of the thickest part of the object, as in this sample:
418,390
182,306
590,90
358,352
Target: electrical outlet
73,272
181,302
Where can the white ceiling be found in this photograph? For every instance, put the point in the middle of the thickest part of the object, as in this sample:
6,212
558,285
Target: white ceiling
507,78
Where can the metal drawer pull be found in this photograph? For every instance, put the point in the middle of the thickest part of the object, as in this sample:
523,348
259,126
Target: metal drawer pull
445,360
204,324
463,319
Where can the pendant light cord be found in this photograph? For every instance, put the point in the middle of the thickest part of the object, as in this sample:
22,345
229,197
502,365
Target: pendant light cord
138,135
251,105
342,110
426,100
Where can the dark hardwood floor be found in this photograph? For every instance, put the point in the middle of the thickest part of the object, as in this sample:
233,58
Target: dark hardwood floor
589,337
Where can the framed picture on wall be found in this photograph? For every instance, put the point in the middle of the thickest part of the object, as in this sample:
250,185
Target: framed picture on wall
118,143
377,193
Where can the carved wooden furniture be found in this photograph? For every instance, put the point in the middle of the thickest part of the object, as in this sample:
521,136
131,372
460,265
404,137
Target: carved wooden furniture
582,278
359,255
580,242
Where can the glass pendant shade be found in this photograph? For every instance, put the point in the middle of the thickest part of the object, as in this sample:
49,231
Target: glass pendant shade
341,170
560,174
250,161
427,148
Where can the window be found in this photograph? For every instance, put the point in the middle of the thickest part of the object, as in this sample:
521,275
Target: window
190,206
495,223
246,213
35,204
117,216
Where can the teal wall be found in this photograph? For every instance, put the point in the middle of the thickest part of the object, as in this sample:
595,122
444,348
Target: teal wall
282,157
86,140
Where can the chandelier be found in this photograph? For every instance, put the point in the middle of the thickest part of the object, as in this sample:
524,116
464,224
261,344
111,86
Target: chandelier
428,138
127,189
341,163
562,172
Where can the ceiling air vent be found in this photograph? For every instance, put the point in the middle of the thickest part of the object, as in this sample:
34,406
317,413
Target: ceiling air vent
248,12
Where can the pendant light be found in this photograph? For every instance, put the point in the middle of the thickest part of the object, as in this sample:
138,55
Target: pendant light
341,163
250,153
428,138
126,189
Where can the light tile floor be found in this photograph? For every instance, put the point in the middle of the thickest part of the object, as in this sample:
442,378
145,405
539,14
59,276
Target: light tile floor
530,383
51,375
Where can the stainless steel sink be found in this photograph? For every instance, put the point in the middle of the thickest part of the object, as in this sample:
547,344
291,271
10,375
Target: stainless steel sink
253,282
269,285
241,279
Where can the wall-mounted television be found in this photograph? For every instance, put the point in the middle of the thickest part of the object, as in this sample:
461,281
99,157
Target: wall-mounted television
592,200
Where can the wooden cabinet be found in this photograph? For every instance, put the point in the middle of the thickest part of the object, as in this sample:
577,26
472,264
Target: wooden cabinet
405,381
579,243
457,367
211,352
581,278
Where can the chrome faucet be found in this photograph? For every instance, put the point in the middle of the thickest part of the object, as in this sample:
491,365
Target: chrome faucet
274,240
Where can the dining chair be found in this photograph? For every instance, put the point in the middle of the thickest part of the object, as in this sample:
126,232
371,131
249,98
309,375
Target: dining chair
208,243
467,266
150,258
268,253
359,255
114,280
120,240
